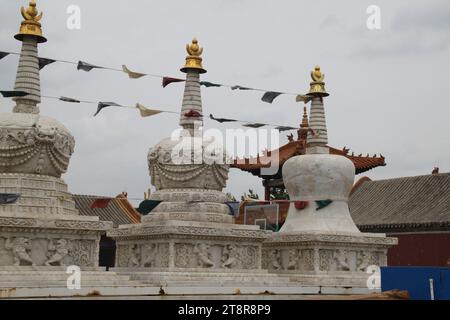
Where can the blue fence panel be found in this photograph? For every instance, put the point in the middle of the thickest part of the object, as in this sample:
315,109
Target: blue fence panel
445,281
416,280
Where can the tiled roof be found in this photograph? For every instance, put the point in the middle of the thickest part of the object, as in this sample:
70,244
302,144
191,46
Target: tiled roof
297,147
119,210
409,203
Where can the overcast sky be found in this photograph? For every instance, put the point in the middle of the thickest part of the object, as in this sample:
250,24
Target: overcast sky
389,88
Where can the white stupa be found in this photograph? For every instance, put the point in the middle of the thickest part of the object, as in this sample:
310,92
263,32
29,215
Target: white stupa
189,243
41,231
319,244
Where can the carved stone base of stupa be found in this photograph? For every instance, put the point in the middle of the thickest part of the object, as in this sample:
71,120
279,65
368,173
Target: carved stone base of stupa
39,194
326,259
52,282
41,234
190,205
181,244
162,252
43,228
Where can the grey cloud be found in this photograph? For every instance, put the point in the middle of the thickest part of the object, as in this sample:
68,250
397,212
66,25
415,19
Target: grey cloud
430,18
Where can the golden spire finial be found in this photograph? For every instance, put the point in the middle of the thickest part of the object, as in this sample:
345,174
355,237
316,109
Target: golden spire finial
316,75
317,86
31,13
30,26
305,123
194,49
193,60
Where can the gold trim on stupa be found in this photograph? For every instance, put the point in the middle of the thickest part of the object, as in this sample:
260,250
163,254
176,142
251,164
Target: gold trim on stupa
193,60
317,86
30,26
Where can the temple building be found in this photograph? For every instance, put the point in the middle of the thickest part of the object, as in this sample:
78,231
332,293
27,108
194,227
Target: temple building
416,210
297,146
118,210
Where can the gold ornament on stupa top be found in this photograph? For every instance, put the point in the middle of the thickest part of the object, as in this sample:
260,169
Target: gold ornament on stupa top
193,60
317,86
31,25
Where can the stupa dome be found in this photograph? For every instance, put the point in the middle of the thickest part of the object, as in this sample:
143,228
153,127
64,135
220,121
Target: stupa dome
187,159
188,162
319,177
34,144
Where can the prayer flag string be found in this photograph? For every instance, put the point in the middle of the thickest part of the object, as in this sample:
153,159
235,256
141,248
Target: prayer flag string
144,111
269,95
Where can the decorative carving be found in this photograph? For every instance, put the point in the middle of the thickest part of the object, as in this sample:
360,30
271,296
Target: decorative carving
134,256
17,222
40,145
122,255
275,259
182,254
185,230
294,256
57,252
203,256
250,257
149,252
325,259
201,173
312,238
21,250
80,252
366,259
163,255
341,259
189,195
307,260
90,225
229,256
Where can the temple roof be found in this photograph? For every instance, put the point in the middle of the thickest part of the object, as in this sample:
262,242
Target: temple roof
402,204
119,210
297,147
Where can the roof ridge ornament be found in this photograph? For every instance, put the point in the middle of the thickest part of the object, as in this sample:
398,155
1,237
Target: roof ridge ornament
31,25
305,123
193,60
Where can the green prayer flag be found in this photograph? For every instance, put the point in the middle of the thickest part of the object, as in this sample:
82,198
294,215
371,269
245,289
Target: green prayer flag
209,84
147,206
254,125
14,93
269,96
323,203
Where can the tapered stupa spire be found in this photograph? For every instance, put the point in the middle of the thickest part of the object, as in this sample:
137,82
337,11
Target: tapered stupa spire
318,136
27,78
191,111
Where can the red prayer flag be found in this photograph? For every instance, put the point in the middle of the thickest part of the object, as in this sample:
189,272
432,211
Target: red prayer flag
168,80
101,203
300,205
192,114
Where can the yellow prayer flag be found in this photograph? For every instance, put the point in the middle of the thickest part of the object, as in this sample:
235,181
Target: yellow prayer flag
303,98
146,112
131,74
